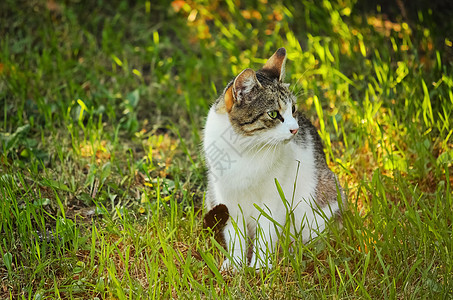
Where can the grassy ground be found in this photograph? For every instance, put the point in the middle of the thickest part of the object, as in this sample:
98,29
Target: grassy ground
101,177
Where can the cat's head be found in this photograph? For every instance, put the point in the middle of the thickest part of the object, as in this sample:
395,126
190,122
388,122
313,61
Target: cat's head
259,103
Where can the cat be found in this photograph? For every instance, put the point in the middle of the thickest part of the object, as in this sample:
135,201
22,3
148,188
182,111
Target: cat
254,135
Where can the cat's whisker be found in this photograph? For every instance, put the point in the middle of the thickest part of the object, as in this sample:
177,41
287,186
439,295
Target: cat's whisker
270,151
255,145
300,77
267,147
303,93
263,147
275,147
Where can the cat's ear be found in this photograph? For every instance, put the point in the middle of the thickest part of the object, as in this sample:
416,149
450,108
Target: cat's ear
275,66
242,85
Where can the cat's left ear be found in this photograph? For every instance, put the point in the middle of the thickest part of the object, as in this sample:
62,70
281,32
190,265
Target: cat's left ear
242,85
275,66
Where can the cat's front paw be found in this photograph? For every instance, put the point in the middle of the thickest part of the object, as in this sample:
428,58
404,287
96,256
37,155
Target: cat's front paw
260,264
228,266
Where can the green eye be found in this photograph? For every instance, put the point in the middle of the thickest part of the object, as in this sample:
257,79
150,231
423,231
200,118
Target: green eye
273,114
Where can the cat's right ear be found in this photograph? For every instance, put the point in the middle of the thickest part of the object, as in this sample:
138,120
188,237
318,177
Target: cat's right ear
242,85
275,66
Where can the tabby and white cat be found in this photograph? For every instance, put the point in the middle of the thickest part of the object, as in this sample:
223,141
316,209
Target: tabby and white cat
254,135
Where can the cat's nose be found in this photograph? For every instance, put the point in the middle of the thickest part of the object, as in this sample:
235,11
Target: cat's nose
293,131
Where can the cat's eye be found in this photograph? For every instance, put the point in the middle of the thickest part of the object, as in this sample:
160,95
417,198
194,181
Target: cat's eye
294,109
273,114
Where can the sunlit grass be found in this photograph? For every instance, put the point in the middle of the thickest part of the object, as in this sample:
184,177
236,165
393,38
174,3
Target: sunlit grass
102,180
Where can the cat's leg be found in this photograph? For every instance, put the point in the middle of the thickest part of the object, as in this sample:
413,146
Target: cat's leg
235,234
265,241
313,220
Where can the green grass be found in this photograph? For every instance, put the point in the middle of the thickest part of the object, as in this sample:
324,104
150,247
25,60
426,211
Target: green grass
101,176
